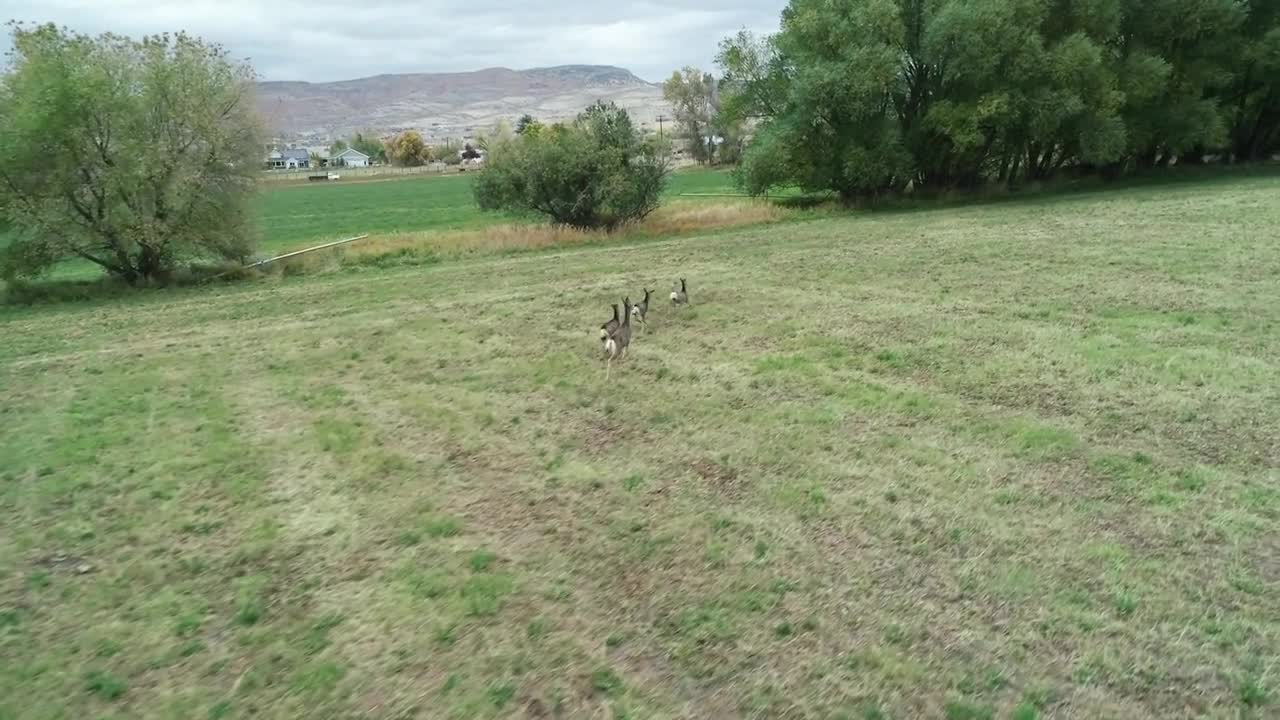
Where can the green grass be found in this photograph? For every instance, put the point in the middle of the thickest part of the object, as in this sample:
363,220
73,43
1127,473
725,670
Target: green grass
294,215
1005,461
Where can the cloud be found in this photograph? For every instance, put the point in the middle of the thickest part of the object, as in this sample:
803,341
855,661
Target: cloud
320,40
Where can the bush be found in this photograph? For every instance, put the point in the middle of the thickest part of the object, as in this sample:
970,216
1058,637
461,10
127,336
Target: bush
134,155
593,173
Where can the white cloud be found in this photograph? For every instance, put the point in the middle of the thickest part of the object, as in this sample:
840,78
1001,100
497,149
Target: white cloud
336,40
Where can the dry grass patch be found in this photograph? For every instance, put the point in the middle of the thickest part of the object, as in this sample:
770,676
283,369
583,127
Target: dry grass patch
673,219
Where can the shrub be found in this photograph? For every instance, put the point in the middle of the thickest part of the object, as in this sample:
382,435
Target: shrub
593,173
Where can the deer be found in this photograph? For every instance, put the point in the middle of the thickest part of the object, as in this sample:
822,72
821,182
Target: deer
680,294
615,346
641,311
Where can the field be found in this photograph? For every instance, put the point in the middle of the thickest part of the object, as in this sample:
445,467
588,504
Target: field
295,215
1005,461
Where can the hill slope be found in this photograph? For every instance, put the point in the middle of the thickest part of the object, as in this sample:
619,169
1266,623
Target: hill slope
451,103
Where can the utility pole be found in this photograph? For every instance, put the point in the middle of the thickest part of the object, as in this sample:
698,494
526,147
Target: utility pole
661,119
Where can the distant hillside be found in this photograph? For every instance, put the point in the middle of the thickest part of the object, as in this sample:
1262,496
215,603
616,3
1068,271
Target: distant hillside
451,104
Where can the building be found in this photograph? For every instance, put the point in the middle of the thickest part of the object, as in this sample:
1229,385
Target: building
349,158
291,159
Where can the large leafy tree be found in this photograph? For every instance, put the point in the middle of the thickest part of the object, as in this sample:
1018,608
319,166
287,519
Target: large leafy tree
1251,102
1175,56
831,125
593,173
692,95
408,149
870,96
131,154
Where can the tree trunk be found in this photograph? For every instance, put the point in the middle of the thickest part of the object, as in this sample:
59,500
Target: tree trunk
1017,168
149,262
1254,146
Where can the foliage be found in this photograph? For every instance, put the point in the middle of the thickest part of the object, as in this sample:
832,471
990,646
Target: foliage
408,149
595,172
369,145
470,152
691,93
1251,102
527,123
337,147
446,153
877,96
500,133
132,154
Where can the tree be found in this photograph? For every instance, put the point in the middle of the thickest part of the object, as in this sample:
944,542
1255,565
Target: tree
869,97
469,152
132,154
337,147
527,123
1175,58
754,79
500,133
371,146
833,128
692,97
1251,102
447,153
408,149
874,96
593,173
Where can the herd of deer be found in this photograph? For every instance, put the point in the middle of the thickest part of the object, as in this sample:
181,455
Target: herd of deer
615,335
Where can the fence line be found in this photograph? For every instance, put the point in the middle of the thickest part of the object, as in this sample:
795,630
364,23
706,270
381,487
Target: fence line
260,263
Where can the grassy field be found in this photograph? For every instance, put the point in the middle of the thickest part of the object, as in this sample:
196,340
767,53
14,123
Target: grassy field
294,215
297,215
1016,461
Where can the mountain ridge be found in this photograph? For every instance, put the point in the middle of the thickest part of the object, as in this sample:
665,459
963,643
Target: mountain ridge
620,71
449,104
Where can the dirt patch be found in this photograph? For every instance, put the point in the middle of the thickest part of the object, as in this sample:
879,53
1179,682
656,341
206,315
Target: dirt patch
719,477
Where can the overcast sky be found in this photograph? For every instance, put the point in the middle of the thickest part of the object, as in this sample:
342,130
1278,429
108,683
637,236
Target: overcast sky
331,40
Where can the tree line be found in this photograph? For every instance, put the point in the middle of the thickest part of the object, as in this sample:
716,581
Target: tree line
878,96
405,149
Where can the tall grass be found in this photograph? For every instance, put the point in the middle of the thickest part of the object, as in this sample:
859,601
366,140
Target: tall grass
430,246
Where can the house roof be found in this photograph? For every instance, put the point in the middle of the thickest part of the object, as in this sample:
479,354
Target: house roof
296,154
350,152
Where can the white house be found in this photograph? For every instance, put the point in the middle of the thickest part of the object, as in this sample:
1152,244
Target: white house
349,158
291,159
